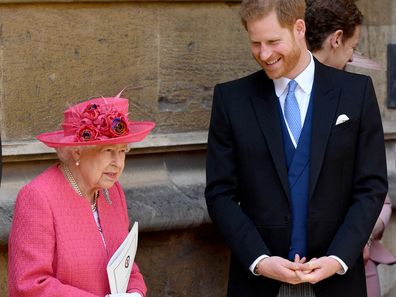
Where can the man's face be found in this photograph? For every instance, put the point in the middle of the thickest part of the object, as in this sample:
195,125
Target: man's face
275,48
344,52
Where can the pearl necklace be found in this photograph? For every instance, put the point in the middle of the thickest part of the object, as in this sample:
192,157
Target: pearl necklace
73,183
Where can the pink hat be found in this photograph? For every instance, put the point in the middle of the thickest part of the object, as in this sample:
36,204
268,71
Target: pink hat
98,121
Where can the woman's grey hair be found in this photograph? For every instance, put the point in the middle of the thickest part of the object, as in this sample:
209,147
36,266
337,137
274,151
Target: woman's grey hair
65,153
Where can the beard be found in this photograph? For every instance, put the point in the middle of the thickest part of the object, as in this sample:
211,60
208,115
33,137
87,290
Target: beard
285,65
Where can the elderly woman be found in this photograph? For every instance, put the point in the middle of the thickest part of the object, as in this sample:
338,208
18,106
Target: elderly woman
70,219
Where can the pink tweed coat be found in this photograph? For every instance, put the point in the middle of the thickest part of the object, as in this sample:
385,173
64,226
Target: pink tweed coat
55,248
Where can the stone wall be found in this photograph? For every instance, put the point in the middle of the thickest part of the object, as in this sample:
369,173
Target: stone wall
168,56
378,31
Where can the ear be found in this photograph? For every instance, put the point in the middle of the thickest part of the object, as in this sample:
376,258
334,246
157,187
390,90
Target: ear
299,28
336,39
76,153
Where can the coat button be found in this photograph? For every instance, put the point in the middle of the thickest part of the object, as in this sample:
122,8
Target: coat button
287,219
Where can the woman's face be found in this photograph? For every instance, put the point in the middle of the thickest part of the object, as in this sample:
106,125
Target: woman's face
101,166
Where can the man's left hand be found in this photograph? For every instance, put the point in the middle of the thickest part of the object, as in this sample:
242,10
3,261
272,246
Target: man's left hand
318,269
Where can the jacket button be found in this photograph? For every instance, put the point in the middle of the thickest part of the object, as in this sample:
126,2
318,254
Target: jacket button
287,219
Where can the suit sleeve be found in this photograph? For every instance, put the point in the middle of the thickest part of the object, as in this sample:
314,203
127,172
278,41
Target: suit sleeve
221,190
31,250
369,183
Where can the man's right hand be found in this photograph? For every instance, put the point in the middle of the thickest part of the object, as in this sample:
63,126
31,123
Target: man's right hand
280,269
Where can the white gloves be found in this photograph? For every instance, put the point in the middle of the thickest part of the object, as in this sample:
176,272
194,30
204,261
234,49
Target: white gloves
124,295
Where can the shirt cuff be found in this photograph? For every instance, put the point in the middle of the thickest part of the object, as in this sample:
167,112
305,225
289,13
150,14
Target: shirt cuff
254,264
344,268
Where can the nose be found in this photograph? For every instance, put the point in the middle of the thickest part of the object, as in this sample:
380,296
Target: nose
265,53
118,159
351,57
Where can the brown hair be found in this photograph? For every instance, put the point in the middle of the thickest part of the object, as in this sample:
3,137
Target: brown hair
323,17
287,11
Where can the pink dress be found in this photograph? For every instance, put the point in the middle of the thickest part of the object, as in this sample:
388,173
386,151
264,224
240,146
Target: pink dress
55,247
378,254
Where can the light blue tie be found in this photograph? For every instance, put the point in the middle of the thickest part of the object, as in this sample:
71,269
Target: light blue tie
292,111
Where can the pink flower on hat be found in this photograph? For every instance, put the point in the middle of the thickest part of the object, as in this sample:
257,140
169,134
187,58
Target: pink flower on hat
117,124
98,123
91,112
87,133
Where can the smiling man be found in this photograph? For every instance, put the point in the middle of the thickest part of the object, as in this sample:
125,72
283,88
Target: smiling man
296,169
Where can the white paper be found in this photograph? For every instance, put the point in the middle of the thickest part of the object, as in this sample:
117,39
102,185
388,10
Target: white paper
120,265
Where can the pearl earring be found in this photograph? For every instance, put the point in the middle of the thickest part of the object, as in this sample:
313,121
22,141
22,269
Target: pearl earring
78,163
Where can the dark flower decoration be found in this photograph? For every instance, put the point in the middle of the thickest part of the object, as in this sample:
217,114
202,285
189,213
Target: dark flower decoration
119,127
117,124
91,112
87,133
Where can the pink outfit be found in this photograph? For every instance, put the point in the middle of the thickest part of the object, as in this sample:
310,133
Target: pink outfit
55,248
378,254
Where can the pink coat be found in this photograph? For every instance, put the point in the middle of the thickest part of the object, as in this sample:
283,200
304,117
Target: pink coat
55,248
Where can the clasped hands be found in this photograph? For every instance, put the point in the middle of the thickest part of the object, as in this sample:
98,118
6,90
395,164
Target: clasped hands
299,271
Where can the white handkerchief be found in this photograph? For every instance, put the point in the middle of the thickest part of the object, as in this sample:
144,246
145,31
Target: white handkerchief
341,119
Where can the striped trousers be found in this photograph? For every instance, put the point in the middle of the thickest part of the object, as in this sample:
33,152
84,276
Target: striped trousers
300,290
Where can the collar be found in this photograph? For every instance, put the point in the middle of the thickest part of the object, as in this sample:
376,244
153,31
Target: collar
304,79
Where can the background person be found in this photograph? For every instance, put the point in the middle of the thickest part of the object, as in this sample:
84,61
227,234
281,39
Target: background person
333,30
295,166
333,34
70,219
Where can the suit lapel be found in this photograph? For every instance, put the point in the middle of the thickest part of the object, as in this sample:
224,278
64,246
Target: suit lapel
326,96
265,107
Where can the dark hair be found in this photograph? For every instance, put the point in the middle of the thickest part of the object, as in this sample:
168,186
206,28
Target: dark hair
323,17
287,11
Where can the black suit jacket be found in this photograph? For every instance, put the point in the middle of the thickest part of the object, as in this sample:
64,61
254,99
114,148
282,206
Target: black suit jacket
247,189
